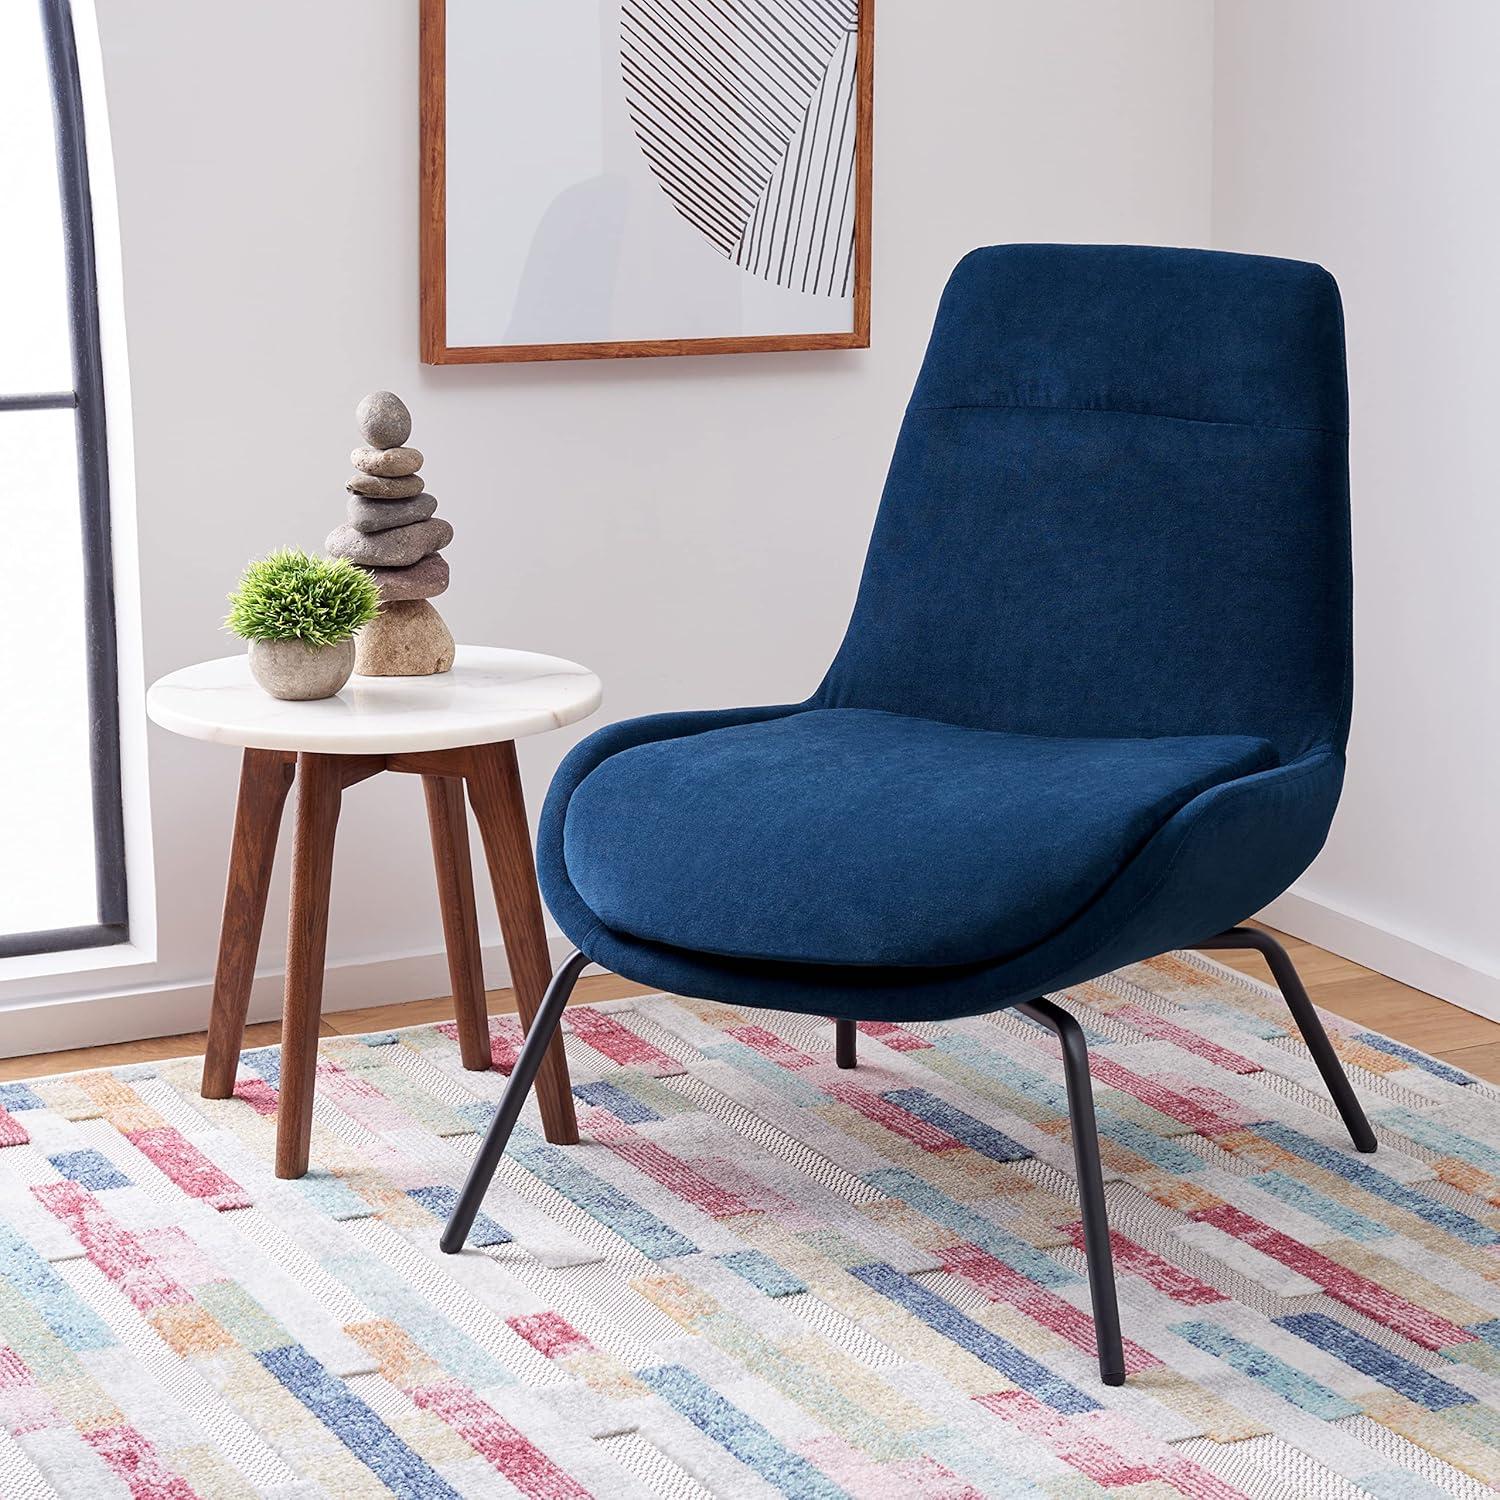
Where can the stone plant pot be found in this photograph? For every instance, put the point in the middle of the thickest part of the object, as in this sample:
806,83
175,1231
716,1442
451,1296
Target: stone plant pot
297,671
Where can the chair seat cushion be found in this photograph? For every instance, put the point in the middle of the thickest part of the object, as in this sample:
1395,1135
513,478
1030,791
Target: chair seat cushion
852,836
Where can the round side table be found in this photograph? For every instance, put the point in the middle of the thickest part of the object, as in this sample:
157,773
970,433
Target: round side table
454,730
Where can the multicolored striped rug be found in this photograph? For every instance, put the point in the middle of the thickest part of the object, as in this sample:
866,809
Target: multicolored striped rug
759,1275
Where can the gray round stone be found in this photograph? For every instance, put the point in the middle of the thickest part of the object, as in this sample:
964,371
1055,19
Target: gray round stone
423,580
384,421
399,547
380,515
389,462
380,488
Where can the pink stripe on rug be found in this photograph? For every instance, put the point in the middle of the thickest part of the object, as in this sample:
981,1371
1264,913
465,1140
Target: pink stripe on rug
1419,1324
922,1478
258,1094
1181,1286
768,1044
550,1334
508,1450
506,1037
360,1099
138,1464
179,1159
1089,1443
1169,1031
1001,1283
113,1248
895,1119
618,1043
673,1173
1204,1118
24,1405
897,1038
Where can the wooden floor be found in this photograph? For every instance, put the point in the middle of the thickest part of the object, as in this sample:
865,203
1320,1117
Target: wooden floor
1465,1040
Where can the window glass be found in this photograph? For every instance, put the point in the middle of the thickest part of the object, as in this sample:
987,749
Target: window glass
35,352
46,804
62,852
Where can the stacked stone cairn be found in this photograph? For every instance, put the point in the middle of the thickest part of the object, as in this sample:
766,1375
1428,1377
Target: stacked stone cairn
392,533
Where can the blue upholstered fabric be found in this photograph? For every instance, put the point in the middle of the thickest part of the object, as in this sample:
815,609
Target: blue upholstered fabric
1093,698
857,837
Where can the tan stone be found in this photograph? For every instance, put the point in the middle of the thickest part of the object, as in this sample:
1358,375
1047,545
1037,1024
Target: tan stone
406,639
391,463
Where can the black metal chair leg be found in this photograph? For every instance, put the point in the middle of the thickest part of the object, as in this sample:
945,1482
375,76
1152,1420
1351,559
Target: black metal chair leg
523,1075
844,1043
1096,1247
1284,971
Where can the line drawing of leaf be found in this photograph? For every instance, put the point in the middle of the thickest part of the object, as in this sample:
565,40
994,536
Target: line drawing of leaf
744,110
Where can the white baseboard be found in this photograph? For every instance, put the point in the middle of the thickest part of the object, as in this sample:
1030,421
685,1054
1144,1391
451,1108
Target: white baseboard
127,1015
1393,954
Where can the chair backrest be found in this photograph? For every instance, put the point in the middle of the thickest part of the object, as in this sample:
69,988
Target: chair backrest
1119,504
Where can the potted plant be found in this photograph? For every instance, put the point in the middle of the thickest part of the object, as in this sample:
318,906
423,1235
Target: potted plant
299,614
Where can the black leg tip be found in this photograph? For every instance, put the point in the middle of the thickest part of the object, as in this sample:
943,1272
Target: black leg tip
451,1242
1112,1377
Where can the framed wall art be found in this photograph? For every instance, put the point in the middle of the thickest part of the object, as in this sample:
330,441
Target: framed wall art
615,178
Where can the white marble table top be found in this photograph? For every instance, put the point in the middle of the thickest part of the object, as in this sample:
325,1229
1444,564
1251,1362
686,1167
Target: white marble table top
491,694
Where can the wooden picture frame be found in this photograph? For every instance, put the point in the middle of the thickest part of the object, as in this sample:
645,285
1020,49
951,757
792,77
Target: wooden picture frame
434,270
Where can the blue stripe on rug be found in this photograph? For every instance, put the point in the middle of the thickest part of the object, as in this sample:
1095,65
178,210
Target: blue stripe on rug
763,1273
745,1059
355,1425
975,1134
1400,1484
1308,1200
1273,1373
599,1199
1450,1220
64,1312
1036,1265
623,1106
1160,1150
998,1353
441,1200
1376,1361
266,1061
90,1168
1441,1138
1379,1043
398,1302
740,1434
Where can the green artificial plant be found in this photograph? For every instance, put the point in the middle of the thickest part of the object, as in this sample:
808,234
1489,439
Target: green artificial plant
290,596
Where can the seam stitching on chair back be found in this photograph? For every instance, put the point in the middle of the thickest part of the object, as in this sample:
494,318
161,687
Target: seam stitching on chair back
1126,411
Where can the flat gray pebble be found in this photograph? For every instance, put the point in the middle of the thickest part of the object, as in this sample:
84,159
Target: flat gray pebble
381,515
423,580
384,421
399,547
386,489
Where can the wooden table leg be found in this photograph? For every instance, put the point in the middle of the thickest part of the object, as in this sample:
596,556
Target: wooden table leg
265,778
319,785
449,823
495,790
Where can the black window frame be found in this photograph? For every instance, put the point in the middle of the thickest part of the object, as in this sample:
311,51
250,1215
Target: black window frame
87,402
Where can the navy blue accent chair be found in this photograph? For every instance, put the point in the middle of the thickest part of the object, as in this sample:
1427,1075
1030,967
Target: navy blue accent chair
1091,706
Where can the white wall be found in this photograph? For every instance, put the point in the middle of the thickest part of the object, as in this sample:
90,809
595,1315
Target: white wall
1365,134
691,528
